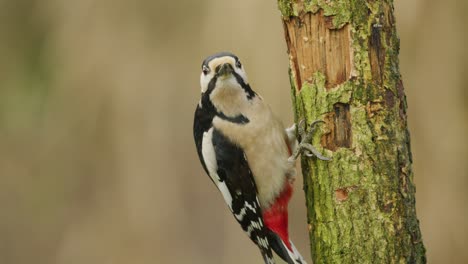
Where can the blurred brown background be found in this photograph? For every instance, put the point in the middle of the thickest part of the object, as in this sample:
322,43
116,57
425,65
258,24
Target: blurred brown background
97,161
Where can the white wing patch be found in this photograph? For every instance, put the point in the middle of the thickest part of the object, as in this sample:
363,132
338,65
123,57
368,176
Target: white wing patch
209,156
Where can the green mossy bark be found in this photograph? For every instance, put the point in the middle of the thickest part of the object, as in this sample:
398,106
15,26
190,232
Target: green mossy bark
375,221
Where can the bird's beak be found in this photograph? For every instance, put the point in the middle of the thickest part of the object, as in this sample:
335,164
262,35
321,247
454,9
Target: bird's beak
224,70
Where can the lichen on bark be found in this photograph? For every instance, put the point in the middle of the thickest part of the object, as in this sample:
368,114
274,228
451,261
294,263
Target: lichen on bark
361,205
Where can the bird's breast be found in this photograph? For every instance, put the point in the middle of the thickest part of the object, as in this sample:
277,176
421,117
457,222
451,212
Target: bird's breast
264,145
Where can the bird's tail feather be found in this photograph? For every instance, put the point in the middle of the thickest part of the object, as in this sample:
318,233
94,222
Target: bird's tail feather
291,256
296,255
268,259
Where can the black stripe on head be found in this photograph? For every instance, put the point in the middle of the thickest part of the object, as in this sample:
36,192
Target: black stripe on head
206,95
250,93
219,55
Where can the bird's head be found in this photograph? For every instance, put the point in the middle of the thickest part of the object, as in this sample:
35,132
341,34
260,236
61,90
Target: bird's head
222,70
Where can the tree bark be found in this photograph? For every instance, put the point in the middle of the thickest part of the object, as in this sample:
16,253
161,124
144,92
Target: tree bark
344,70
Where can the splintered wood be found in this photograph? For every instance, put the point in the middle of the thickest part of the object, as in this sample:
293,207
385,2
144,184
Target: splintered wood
314,45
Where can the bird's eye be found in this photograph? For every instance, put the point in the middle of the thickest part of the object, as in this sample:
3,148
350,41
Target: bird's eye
238,64
205,69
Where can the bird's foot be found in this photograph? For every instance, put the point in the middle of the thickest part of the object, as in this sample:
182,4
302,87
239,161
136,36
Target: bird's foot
305,146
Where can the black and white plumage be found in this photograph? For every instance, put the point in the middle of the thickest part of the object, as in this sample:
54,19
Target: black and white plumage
244,149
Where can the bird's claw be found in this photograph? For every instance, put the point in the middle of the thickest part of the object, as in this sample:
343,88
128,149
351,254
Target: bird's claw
301,128
306,137
310,151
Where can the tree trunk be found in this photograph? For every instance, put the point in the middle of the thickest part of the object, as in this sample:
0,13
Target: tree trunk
344,70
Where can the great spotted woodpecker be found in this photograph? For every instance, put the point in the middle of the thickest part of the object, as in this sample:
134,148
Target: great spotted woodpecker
248,154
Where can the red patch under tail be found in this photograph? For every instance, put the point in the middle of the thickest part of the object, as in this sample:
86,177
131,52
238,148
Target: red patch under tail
276,217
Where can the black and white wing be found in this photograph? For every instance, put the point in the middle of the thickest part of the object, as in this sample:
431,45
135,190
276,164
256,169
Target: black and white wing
228,168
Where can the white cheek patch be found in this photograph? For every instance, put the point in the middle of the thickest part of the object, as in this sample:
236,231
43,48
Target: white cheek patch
209,157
